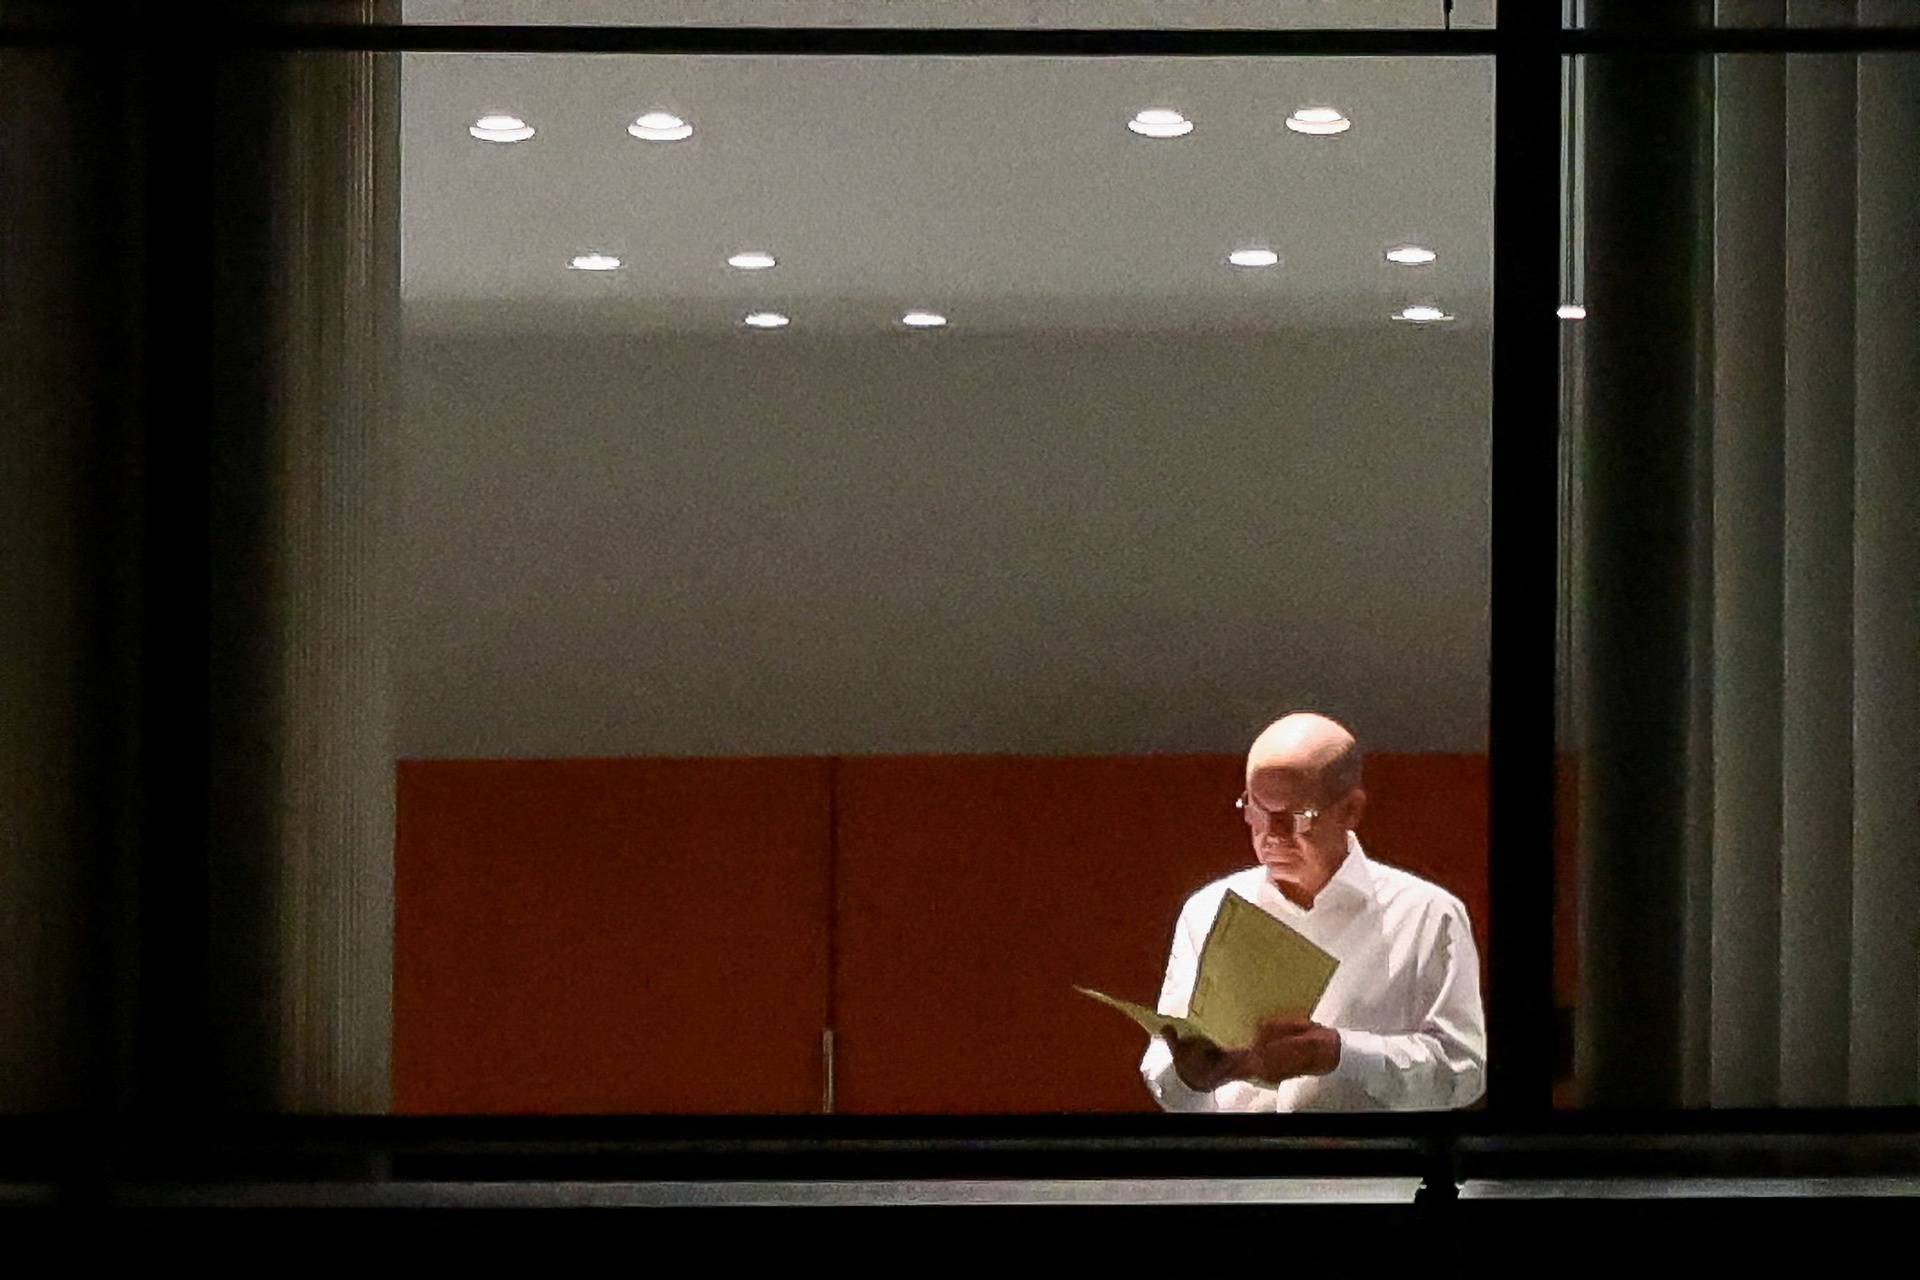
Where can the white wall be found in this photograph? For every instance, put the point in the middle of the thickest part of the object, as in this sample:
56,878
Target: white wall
770,543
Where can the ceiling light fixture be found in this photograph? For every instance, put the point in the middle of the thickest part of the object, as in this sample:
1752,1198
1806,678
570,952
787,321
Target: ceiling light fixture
752,260
1421,314
923,320
1318,121
595,262
500,128
1572,311
1411,255
1160,122
1253,258
765,320
660,126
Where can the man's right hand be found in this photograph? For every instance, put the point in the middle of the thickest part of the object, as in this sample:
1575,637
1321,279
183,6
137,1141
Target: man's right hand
1202,1065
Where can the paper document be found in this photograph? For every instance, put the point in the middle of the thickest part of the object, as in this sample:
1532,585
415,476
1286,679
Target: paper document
1253,967
1151,1021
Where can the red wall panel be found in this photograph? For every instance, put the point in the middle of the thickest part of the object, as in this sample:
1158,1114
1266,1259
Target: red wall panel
606,936
651,935
975,891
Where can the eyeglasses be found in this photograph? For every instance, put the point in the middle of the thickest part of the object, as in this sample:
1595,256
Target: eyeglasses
1263,819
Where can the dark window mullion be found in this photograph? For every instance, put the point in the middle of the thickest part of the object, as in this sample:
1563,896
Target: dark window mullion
1524,554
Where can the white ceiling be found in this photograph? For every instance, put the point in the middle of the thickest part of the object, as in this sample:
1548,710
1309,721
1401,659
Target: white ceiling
1039,539
1006,193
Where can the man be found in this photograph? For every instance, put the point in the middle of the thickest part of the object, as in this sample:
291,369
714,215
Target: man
1400,1025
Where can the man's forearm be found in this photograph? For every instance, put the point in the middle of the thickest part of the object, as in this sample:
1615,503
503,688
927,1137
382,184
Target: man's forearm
1418,1071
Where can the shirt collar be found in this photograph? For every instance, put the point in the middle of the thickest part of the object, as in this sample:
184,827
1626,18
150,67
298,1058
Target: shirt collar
1352,883
1355,876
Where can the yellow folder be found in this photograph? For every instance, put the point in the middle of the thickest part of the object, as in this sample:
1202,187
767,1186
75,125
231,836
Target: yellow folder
1253,966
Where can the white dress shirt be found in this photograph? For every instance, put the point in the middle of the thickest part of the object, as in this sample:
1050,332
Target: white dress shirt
1405,999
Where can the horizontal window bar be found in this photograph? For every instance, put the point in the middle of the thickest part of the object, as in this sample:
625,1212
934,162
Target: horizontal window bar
984,1192
842,41
1686,1188
906,1192
944,41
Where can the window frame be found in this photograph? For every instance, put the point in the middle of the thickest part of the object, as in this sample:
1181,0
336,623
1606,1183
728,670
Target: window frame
1518,1131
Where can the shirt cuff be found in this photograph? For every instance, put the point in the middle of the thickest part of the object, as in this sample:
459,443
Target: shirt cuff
1363,1061
1173,1094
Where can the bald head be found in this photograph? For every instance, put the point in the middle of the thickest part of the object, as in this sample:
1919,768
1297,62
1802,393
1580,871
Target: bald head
1310,747
1307,766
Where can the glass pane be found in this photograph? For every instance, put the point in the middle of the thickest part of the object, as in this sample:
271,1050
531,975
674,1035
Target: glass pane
1741,551
770,663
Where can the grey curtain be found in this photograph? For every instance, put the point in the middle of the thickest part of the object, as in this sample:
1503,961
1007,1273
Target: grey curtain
301,804
195,750
1776,473
1814,960
63,482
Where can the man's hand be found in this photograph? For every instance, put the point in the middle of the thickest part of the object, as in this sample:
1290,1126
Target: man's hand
1202,1065
1282,1049
1287,1047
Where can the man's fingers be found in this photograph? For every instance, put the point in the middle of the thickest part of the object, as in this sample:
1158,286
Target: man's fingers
1285,1026
1200,1062
1203,1055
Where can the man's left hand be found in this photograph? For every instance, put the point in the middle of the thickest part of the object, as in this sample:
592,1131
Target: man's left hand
1287,1047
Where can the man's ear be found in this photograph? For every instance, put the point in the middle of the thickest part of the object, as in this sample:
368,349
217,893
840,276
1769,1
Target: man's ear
1356,807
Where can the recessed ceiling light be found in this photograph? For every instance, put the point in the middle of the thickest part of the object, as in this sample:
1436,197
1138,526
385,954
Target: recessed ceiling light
923,320
1572,311
500,128
752,260
595,262
1421,314
765,320
660,126
1253,257
1160,122
1319,121
1411,255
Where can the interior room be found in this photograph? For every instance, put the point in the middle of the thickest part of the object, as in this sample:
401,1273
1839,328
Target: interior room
957,632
